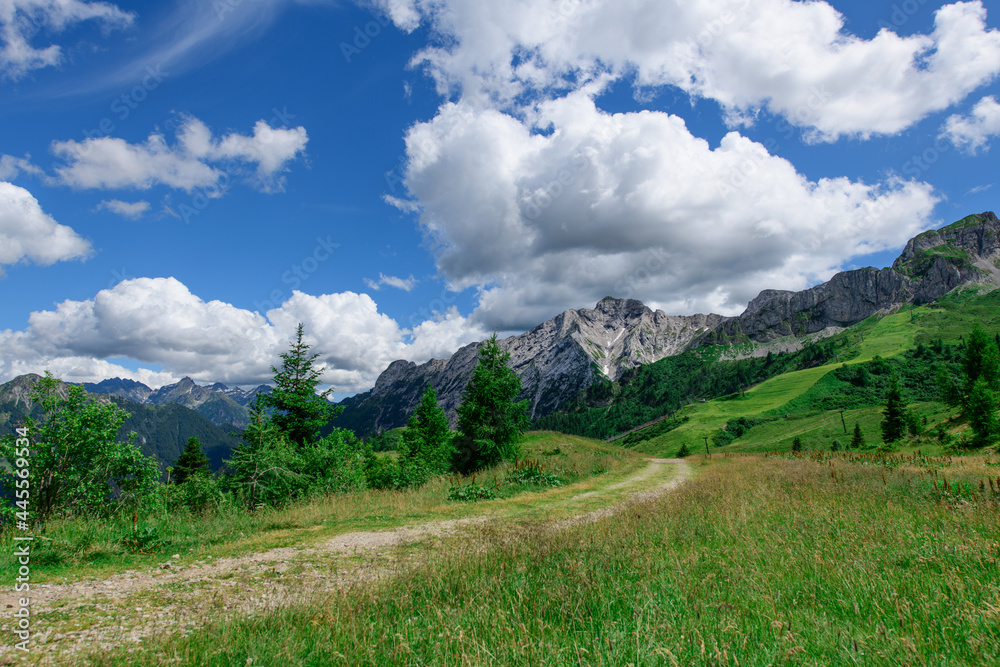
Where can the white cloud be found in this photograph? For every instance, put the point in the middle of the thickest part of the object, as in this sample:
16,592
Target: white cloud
131,210
972,132
110,163
21,20
794,58
159,321
27,233
11,167
632,205
405,284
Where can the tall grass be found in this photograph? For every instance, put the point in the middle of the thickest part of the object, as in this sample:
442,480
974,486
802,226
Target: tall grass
758,561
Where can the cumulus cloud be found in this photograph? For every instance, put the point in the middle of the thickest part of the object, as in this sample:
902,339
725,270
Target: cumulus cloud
158,321
405,284
131,210
21,20
972,132
632,205
27,233
795,59
195,160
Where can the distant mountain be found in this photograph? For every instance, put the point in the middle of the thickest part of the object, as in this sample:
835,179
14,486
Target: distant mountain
161,430
932,264
555,361
578,348
224,406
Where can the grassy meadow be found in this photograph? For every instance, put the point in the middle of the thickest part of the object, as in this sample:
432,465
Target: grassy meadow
93,548
758,560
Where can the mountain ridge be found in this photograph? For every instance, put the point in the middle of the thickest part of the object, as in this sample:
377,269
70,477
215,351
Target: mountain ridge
574,350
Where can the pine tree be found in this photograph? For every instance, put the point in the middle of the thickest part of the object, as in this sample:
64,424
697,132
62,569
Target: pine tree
981,361
894,415
858,440
981,410
797,444
299,412
427,447
191,462
489,420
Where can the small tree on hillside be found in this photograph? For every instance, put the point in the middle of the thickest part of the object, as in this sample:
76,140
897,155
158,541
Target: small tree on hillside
489,420
858,440
427,447
981,361
894,415
192,461
299,411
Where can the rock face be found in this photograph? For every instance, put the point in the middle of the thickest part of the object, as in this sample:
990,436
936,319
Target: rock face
932,264
555,361
559,358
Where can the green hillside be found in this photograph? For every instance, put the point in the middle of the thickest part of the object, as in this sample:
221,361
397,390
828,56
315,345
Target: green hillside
796,395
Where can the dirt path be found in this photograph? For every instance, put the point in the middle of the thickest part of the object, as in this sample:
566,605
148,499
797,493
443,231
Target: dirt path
183,595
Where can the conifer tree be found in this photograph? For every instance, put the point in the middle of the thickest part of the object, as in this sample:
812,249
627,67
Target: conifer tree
894,415
427,447
858,440
489,420
299,411
192,461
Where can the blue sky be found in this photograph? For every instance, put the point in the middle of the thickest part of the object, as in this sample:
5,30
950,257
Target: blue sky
182,182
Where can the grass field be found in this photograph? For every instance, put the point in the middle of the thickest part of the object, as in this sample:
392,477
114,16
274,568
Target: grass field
757,561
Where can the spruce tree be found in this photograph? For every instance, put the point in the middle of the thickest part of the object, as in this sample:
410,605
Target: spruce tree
981,361
981,410
489,420
299,412
858,440
191,462
427,447
894,415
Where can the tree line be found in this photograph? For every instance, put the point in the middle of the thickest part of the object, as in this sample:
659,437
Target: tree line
79,467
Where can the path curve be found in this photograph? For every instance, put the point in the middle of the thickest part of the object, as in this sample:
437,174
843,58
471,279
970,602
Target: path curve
126,607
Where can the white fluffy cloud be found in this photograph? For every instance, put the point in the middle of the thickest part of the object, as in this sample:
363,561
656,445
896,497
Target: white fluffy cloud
159,321
633,205
21,20
794,58
27,233
109,162
131,210
972,132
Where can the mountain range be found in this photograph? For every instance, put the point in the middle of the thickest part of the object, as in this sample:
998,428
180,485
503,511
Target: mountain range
578,348
222,405
161,429
573,351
